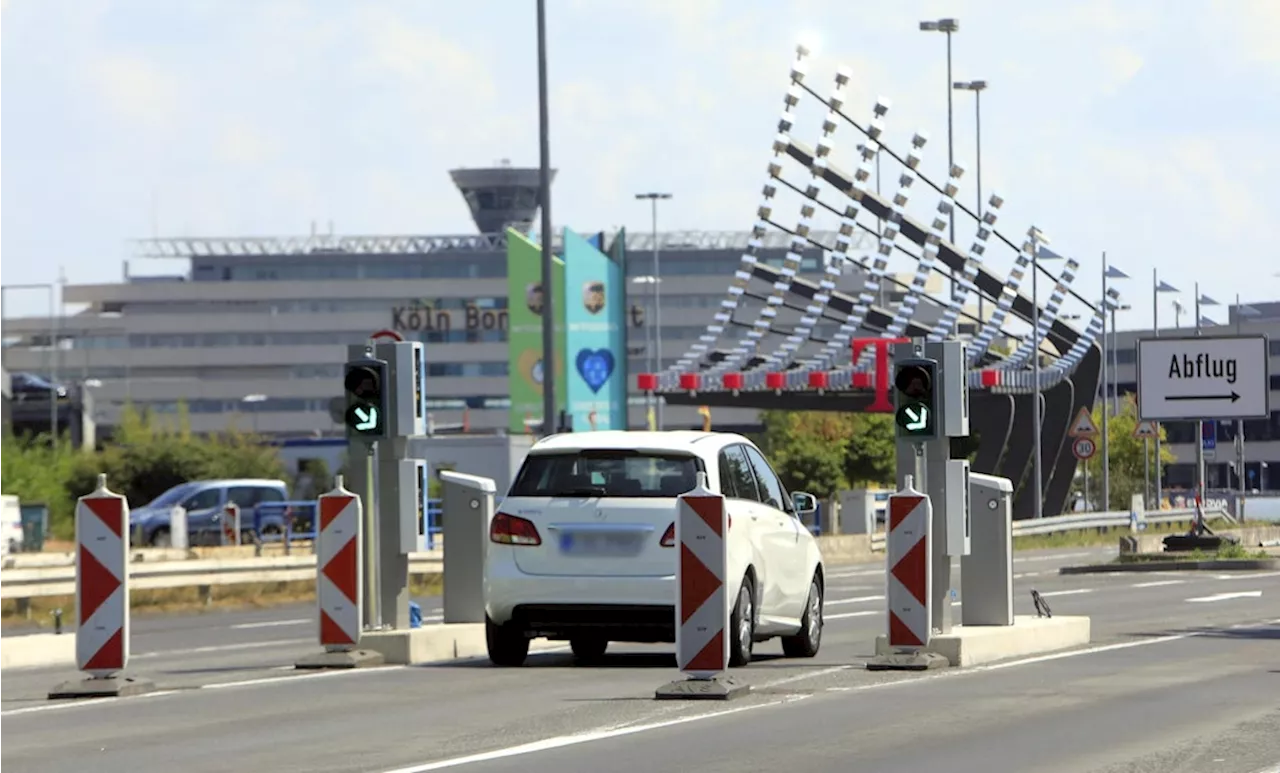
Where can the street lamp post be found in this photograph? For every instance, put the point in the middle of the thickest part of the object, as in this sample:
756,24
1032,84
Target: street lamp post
977,87
650,335
1158,287
544,194
255,401
947,26
51,289
1108,272
653,199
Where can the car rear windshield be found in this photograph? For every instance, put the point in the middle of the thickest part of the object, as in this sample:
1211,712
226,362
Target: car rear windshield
606,473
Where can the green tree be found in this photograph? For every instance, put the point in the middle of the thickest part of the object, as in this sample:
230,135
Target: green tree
1127,454
823,452
36,472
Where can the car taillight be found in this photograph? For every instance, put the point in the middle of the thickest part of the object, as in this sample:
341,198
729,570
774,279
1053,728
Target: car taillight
669,536
510,530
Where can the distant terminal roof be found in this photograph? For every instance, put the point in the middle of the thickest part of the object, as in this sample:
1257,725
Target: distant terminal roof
637,241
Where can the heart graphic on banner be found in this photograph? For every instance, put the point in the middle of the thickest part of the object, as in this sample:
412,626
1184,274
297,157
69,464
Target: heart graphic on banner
595,366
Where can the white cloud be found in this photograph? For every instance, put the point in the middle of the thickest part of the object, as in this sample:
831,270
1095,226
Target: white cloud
137,90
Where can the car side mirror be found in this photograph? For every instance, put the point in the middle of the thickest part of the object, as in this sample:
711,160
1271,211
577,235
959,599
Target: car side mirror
804,504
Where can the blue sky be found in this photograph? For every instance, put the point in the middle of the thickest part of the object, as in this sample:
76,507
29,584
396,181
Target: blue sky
1140,127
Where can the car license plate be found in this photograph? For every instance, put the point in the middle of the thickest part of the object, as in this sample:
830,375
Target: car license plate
599,543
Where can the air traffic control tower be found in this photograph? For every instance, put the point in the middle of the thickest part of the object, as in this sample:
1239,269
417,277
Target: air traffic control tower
500,196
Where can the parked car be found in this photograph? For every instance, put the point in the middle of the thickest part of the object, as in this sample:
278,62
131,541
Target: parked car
29,386
204,501
583,546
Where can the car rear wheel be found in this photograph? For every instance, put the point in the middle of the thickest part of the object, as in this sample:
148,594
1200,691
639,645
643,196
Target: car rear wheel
588,649
742,624
806,643
160,538
507,645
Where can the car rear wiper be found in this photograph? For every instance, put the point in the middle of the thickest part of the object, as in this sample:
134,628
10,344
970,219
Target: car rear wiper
585,491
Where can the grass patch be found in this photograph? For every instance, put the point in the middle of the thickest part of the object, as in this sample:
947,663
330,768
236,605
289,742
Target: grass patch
260,595
1229,552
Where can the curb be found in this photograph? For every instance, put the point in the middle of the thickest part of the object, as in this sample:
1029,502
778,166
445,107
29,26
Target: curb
1176,566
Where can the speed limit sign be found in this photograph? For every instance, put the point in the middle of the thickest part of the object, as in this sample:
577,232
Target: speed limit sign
1084,448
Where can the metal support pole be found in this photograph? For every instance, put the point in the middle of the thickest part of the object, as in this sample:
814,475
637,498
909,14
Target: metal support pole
1240,481
951,155
1155,333
363,483
657,306
393,560
1035,375
1200,471
549,369
1106,407
977,101
1146,473
936,454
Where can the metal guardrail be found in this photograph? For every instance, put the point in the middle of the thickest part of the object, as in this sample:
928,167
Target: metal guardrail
33,582
1059,524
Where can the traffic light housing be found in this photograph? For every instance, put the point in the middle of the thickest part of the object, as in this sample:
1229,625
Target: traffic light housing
915,385
366,383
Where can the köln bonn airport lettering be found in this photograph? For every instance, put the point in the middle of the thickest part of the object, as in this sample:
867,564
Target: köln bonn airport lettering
419,317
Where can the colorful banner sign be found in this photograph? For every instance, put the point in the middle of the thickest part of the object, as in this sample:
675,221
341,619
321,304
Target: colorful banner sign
524,313
595,319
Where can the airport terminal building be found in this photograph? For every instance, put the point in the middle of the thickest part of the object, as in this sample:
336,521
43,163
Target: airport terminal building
254,334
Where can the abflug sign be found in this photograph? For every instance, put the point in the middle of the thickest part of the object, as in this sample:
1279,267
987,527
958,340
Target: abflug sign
471,317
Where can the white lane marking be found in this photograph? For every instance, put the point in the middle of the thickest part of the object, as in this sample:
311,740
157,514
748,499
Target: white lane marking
1020,575
1275,769
1157,583
855,600
297,678
1248,594
253,645
271,624
1071,592
584,737
1055,557
802,677
1247,576
862,573
843,615
76,704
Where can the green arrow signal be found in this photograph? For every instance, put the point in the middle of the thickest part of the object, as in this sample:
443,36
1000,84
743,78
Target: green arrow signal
363,418
367,418
917,418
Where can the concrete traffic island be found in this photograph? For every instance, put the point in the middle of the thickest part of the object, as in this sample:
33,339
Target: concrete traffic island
38,650
1166,562
978,644
340,659
436,643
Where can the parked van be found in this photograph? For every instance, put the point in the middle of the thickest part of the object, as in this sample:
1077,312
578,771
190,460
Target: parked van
204,501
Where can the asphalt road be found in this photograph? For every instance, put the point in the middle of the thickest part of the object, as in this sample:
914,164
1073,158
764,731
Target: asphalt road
1166,686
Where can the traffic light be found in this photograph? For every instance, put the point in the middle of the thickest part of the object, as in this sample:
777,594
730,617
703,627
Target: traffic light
915,382
366,385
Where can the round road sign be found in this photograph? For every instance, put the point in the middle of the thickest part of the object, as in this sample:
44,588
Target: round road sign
1084,448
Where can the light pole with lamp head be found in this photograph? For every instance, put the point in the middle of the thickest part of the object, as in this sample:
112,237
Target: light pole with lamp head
1158,287
977,87
1108,272
653,199
947,26
549,418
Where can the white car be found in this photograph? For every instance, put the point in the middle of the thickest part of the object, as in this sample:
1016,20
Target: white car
583,546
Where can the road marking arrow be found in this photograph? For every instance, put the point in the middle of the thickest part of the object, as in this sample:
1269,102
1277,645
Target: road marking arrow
1233,396
1248,594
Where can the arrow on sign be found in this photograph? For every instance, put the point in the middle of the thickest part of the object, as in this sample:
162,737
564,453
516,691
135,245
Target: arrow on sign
366,418
1179,398
917,418
1248,594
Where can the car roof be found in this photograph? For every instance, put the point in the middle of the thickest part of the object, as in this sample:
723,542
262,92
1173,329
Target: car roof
272,482
690,441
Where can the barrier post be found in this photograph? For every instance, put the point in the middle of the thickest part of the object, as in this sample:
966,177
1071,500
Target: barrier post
231,524
102,599
909,555
339,576
702,598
